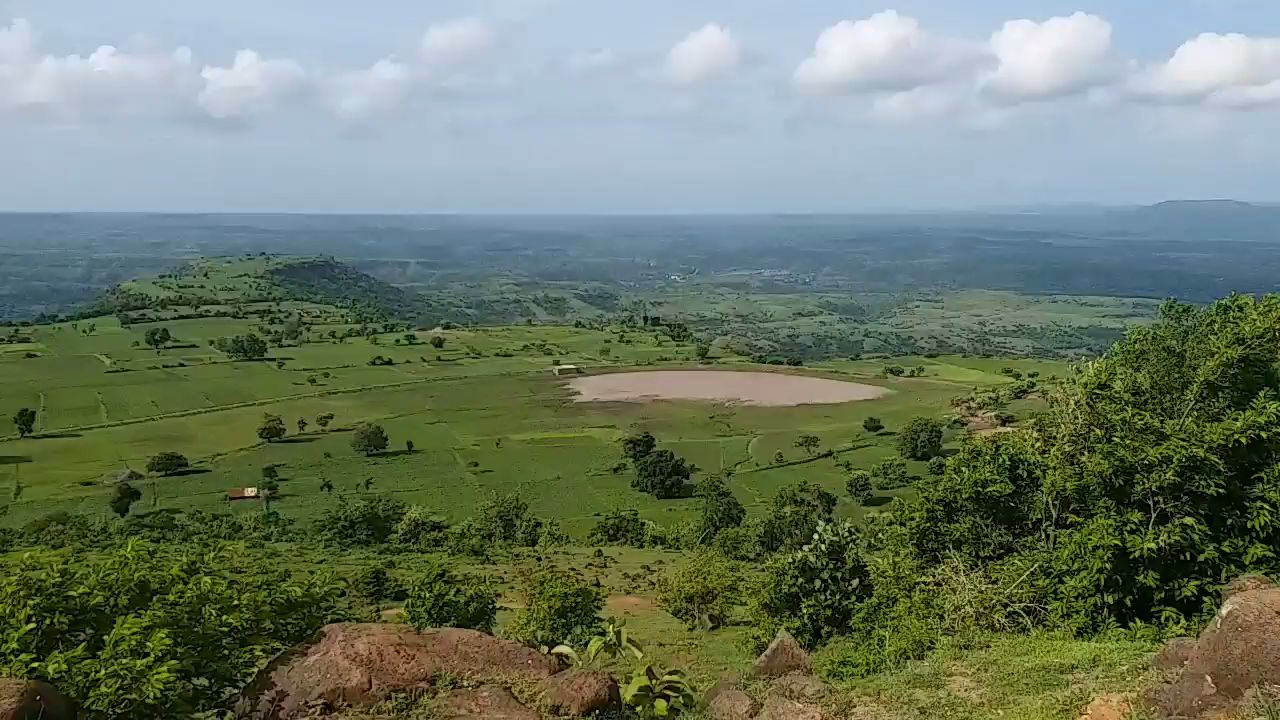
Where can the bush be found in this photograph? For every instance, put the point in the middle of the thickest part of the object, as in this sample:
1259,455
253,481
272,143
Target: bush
740,543
147,631
920,439
369,521
559,609
620,527
813,592
662,474
369,439
938,466
420,530
701,592
890,474
872,425
439,598
167,463
859,486
794,513
374,583
721,510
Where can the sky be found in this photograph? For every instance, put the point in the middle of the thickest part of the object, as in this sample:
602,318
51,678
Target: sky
606,106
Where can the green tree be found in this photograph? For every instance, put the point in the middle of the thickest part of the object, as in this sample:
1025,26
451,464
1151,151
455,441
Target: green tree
437,342
326,486
408,446
374,583
920,439
25,421
702,591
635,447
440,598
243,347
368,521
369,438
814,591
167,463
272,428
702,351
859,486
157,337
620,527
662,474
270,472
720,510
302,425
890,474
559,608
323,420
123,498
794,513
872,425
808,443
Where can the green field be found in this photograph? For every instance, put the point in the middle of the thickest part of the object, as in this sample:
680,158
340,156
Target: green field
485,414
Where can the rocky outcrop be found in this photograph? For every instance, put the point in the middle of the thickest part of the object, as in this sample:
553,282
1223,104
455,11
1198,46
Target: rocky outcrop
357,665
489,702
801,688
1174,655
1239,650
579,693
784,655
32,700
777,707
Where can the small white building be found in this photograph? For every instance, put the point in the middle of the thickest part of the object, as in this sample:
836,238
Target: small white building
561,370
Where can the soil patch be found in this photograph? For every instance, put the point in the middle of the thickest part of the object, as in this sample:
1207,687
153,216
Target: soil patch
738,388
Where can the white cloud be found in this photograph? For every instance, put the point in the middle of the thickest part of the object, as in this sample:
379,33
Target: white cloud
1230,70
704,55
361,95
107,80
250,85
1060,56
457,42
885,52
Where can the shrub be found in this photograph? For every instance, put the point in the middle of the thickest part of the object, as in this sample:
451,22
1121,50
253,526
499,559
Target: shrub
147,631
272,428
813,592
368,521
794,514
440,598
890,474
872,425
859,486
740,543
559,608
123,498
374,583
721,510
419,529
167,463
620,527
369,438
662,474
938,466
701,592
920,439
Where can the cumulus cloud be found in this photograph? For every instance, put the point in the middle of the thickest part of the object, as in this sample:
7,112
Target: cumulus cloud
108,79
704,55
1231,70
251,85
885,52
361,95
1060,56
457,42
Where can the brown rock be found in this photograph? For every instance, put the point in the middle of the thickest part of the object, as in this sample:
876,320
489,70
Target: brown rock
1245,583
1108,707
724,684
578,693
32,700
1238,651
486,703
777,707
784,655
1175,654
362,664
732,704
800,687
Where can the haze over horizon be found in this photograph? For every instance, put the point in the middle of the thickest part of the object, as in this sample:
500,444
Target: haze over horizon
558,106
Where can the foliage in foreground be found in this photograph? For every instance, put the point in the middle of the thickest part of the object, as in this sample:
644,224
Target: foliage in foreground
149,632
441,598
559,609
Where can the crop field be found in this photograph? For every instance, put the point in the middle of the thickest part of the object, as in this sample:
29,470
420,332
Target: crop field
484,413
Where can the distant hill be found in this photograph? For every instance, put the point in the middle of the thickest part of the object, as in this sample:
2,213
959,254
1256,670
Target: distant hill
329,282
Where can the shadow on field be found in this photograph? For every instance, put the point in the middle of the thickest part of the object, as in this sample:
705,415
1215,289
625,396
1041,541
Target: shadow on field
878,501
396,453
295,440
189,471
56,436
14,459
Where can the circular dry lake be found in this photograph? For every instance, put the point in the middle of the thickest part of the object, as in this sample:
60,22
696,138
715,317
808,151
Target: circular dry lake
742,388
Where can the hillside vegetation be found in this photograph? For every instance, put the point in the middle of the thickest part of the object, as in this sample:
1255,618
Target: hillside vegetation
989,538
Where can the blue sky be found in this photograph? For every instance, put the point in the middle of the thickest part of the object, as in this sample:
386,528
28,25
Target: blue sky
609,106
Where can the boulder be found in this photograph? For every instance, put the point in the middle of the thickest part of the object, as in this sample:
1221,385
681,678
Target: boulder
784,655
489,702
578,693
32,700
1238,651
357,665
1174,655
732,704
777,707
